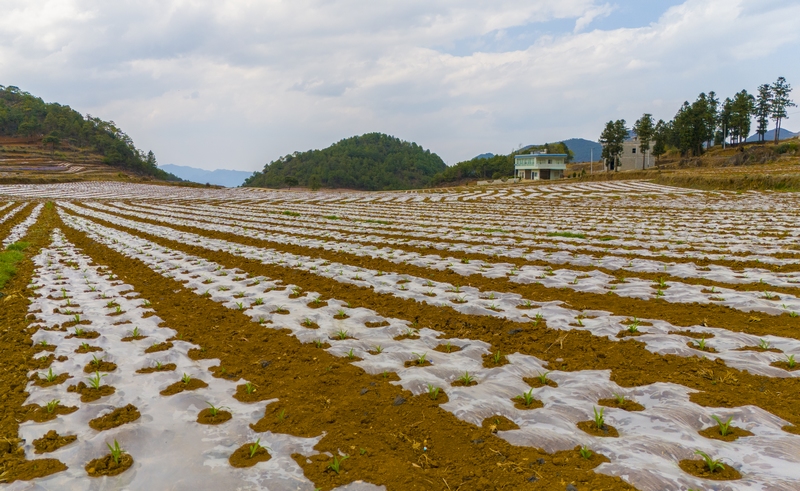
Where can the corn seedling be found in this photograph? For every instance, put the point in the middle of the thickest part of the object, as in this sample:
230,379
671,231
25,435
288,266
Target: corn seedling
116,451
249,388
281,416
77,318
701,344
95,381
724,428
790,361
336,465
659,293
433,392
350,354
258,301
585,452
763,344
599,420
213,409
51,406
793,314
341,334
420,358
135,333
255,447
79,332
543,378
240,305
158,366
467,378
95,360
146,303
186,378
50,376
119,309
662,283
498,357
713,465
318,343
526,397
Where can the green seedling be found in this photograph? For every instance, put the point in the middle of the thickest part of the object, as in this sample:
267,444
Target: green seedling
50,376
724,428
619,398
158,366
498,357
281,416
135,333
95,381
249,388
662,283
308,322
793,314
146,303
186,378
95,360
213,409
585,452
420,358
77,318
85,346
351,354
599,420
341,334
543,378
526,397
790,361
255,447
448,347
51,406
79,332
659,293
701,344
336,465
763,344
119,309
318,343
378,349
116,451
713,465
341,313
467,378
258,301
433,392
527,304
240,305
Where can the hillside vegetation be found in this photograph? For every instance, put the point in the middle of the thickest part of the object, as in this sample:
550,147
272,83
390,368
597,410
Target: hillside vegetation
373,162
58,127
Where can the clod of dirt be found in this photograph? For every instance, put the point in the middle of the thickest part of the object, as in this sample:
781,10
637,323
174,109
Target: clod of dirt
105,466
698,468
626,404
499,423
88,349
591,428
733,433
28,470
693,334
181,386
376,324
785,365
398,401
490,360
444,348
536,383
90,394
43,382
206,416
117,417
241,457
40,347
461,383
52,441
164,368
128,339
39,414
100,366
417,363
85,335
519,403
159,347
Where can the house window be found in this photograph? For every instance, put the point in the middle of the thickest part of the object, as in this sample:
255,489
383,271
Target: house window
549,161
634,150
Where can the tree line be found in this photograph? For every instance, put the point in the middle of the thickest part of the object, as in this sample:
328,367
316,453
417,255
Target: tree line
22,114
704,122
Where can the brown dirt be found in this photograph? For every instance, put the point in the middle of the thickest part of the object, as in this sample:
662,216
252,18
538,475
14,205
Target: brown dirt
41,381
499,423
105,466
90,394
52,441
39,414
591,428
241,457
630,362
206,417
444,348
490,362
733,433
698,468
128,339
181,386
155,348
336,408
85,335
627,404
785,365
519,403
693,334
117,417
101,366
759,349
536,383
168,367
89,349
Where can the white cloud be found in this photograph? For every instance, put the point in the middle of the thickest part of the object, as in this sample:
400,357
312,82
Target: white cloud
238,83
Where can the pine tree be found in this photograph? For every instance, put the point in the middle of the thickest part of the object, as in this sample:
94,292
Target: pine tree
763,110
780,102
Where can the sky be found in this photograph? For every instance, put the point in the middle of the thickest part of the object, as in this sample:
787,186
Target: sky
237,83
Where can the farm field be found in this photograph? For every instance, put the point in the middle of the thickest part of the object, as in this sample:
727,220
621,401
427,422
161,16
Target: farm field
587,336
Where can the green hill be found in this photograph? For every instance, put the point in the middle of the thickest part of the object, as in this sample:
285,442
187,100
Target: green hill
371,162
58,127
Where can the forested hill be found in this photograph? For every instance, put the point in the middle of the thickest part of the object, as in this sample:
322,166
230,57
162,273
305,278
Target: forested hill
24,115
369,162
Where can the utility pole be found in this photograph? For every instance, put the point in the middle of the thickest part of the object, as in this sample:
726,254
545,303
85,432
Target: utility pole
591,161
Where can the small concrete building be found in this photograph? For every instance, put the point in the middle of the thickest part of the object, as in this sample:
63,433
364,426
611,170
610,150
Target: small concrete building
632,157
540,166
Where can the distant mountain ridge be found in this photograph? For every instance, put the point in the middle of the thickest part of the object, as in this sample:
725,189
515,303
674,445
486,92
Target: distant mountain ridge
770,136
220,177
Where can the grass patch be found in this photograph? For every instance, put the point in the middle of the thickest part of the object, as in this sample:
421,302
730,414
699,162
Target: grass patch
9,259
570,235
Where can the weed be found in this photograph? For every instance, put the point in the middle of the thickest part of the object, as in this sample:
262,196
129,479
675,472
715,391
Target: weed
724,428
336,465
116,451
95,381
713,465
51,406
599,420
433,392
526,397
585,452
467,378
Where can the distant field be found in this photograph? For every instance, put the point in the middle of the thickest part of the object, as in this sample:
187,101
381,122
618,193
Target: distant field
570,335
